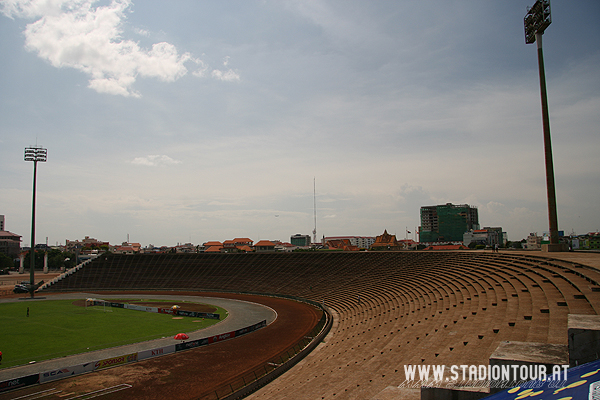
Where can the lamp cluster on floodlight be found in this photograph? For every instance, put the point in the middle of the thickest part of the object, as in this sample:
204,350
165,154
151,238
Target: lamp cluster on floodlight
537,20
36,154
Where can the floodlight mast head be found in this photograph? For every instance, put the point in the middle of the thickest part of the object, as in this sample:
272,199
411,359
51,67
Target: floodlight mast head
36,154
537,20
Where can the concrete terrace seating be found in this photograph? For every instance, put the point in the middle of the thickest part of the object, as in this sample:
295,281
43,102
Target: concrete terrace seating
443,308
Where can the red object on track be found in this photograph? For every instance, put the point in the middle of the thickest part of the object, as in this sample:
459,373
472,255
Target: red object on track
181,336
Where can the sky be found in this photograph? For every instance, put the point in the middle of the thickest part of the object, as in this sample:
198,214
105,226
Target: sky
187,121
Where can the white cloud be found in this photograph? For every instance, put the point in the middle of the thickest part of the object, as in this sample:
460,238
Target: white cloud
154,160
229,75
118,86
202,68
32,8
142,32
77,34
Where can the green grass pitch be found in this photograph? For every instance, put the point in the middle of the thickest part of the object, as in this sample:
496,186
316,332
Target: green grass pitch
57,328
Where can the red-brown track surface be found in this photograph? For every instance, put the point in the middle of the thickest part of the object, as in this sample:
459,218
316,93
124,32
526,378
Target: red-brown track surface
195,373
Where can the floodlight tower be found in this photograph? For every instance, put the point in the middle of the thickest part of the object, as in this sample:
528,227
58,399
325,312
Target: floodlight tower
536,21
315,209
35,154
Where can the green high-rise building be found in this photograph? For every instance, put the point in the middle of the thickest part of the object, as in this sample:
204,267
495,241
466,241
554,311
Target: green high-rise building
447,223
300,240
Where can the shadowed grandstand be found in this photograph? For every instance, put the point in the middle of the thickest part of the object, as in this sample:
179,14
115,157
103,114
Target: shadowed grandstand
391,308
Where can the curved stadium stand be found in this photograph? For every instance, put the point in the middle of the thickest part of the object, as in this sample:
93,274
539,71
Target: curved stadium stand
391,308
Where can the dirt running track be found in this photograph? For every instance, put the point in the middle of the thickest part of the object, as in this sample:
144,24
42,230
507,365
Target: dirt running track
195,373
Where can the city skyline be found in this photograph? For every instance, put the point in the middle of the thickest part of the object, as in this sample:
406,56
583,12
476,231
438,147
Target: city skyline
195,121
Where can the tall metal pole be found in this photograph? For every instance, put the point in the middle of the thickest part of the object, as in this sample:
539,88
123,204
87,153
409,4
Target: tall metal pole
550,186
32,251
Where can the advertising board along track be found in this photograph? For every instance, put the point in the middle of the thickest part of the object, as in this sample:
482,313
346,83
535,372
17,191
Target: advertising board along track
159,310
242,315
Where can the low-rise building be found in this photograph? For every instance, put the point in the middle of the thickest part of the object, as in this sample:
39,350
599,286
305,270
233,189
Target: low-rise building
10,244
185,248
534,242
243,242
475,236
237,245
285,246
87,245
127,248
213,246
594,240
362,242
589,241
340,244
487,236
229,246
264,245
123,249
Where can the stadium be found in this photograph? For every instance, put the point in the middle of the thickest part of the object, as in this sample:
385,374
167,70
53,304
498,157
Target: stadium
349,323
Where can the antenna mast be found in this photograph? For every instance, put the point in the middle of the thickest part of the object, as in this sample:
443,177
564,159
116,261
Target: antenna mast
315,209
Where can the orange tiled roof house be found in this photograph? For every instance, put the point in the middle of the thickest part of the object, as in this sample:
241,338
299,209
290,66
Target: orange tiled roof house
341,244
264,245
386,241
